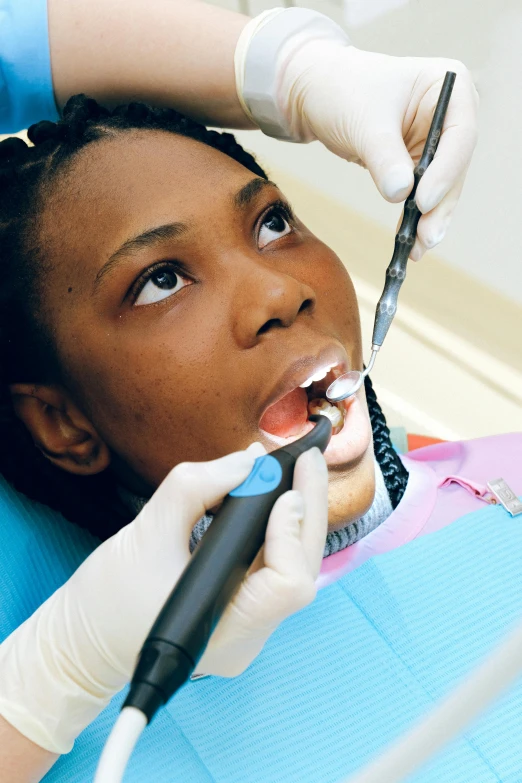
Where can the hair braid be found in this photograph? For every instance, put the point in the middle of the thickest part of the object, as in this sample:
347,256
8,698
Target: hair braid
26,355
394,473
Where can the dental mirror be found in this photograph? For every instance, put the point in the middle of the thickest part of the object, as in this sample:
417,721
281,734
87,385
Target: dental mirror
349,383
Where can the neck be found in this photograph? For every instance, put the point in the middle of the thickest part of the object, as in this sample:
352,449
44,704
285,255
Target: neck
337,540
378,512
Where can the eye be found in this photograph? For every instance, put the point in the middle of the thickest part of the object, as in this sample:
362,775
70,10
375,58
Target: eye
274,226
160,284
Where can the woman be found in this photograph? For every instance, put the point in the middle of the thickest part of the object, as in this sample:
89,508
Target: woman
162,303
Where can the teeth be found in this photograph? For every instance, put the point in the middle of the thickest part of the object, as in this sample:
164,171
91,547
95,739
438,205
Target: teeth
319,375
324,408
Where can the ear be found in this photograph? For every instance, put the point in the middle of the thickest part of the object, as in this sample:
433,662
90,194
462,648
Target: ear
59,429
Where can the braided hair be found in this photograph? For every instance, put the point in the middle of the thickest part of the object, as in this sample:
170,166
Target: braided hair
26,352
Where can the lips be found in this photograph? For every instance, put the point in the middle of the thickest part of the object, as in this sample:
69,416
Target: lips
302,387
303,369
288,416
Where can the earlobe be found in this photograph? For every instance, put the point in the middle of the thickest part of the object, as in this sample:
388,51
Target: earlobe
59,429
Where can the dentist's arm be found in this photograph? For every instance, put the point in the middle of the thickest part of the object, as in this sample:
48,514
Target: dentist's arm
21,761
176,53
297,76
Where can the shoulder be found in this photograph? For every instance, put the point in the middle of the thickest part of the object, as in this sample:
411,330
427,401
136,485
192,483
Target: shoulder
461,471
478,459
447,480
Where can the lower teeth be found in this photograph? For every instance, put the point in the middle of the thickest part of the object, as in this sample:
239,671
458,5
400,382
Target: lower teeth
322,407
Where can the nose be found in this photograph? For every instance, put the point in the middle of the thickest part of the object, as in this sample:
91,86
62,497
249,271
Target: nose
267,300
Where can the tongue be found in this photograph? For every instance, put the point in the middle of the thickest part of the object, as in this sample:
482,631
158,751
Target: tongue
288,416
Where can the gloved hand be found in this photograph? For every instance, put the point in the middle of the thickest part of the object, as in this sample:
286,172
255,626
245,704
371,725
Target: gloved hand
63,665
368,108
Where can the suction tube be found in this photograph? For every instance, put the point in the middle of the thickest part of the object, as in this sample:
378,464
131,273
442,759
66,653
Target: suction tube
181,632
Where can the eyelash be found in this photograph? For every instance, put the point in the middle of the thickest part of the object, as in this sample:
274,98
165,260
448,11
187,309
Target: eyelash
276,207
138,286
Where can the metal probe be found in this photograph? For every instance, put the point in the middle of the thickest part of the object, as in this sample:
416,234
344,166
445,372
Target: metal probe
349,383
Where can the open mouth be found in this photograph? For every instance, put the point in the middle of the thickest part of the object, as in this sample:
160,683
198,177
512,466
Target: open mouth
288,417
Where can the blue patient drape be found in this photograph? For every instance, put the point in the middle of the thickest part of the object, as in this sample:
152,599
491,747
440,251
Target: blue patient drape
336,683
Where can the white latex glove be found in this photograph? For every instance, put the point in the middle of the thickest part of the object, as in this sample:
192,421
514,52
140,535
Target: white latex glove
63,665
369,108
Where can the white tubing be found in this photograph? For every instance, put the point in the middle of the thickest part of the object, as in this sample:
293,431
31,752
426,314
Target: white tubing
450,717
118,748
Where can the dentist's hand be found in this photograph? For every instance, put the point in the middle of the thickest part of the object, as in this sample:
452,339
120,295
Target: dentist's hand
369,108
376,110
64,664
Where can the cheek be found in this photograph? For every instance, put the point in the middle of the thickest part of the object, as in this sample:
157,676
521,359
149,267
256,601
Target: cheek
155,399
336,297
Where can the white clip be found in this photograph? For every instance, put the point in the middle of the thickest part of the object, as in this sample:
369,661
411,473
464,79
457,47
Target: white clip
506,496
196,677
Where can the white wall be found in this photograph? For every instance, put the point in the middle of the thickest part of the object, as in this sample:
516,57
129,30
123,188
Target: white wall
485,238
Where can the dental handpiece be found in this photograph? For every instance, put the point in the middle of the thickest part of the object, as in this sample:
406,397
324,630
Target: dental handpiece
348,384
190,614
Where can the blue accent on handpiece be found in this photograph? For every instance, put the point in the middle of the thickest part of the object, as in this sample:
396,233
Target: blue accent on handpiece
264,477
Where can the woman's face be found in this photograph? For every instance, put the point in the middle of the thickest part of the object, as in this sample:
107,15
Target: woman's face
188,306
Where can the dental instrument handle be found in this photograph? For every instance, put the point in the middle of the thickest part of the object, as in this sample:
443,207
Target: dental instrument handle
190,614
405,238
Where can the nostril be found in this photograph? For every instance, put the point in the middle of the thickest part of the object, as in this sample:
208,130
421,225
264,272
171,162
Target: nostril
273,322
278,323
308,304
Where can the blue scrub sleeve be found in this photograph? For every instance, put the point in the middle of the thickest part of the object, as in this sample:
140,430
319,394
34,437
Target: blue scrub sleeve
26,86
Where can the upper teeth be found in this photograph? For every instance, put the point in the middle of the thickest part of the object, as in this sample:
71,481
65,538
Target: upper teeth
318,376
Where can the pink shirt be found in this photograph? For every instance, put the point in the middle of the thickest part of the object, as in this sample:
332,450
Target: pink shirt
446,481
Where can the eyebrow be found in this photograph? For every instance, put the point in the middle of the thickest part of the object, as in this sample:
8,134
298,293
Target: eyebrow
154,236
249,191
149,238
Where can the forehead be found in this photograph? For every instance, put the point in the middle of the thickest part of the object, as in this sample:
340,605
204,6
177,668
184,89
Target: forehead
132,179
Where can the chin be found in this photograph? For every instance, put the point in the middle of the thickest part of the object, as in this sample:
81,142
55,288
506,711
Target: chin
351,492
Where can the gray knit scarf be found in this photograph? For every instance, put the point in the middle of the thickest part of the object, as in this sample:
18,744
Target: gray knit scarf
337,540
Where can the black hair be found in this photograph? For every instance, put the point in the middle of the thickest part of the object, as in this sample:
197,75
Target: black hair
26,353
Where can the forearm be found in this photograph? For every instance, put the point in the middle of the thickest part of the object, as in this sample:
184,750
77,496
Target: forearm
21,761
178,53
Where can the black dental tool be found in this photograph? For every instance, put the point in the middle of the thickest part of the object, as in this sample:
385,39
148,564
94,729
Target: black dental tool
348,384
181,632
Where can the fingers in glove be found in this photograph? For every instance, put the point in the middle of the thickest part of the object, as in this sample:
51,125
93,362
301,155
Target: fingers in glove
458,140
286,580
389,163
311,480
433,226
279,582
282,551
193,487
307,521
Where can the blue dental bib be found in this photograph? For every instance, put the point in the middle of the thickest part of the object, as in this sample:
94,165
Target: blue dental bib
335,684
